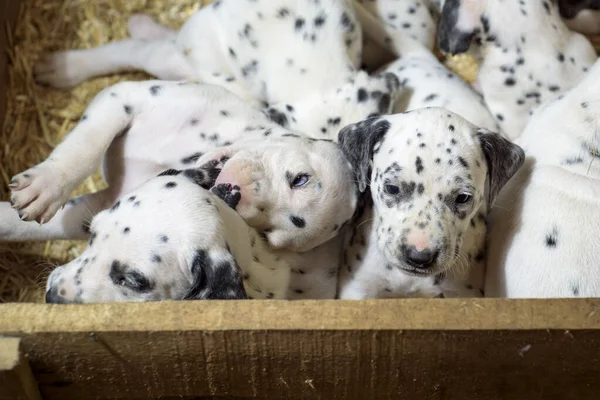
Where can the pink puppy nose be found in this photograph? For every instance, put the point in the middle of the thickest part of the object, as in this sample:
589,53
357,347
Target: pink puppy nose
419,241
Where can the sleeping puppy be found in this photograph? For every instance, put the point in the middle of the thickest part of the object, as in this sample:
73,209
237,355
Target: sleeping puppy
297,191
170,239
429,177
527,54
425,81
298,59
416,19
543,231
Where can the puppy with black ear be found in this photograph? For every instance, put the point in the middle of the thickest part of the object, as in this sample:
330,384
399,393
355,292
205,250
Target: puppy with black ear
429,178
581,16
170,239
527,54
543,240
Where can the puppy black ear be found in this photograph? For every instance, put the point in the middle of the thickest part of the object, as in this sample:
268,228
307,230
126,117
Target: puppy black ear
358,142
215,278
458,23
570,8
503,158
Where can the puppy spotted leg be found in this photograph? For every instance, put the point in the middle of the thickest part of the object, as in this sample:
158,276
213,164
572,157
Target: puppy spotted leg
159,58
40,191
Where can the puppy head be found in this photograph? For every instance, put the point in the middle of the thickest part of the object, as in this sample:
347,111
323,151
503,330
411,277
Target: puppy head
298,191
428,171
459,22
324,114
164,241
570,8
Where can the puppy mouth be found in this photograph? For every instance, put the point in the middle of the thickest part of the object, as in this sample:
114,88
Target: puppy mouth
420,272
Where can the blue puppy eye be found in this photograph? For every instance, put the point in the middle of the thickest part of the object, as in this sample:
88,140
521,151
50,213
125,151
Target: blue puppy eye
300,180
463,198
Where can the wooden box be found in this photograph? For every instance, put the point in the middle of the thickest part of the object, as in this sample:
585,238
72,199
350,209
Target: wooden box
383,349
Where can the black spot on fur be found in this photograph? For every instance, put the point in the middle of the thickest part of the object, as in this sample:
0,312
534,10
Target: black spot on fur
128,109
154,90
170,185
362,95
419,165
298,221
551,240
191,159
115,206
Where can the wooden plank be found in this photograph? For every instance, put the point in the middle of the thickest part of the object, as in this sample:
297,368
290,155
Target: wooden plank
9,10
423,314
16,379
380,349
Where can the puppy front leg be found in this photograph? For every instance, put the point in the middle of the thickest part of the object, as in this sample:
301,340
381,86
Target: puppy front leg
40,191
160,58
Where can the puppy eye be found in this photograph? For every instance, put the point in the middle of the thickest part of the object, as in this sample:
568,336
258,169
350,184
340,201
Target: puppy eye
300,180
391,189
463,198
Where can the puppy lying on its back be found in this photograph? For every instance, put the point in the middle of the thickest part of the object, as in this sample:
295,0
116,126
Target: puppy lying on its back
425,81
431,177
298,59
527,54
544,230
416,19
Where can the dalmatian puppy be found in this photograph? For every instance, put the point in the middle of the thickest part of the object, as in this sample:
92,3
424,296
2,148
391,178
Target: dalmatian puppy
429,177
415,18
527,54
180,243
543,232
266,52
581,16
426,82
297,191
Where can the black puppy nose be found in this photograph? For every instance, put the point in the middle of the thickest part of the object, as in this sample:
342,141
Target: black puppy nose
420,259
52,297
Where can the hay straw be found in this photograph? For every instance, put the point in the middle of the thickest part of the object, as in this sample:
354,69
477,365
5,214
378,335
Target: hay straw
37,118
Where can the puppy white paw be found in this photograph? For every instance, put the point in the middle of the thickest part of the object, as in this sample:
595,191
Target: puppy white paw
38,193
62,69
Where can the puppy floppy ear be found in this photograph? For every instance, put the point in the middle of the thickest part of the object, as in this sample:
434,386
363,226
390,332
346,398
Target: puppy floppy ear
358,142
215,278
503,158
570,8
459,22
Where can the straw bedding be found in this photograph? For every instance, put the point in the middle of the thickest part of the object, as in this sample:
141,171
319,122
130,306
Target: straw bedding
37,118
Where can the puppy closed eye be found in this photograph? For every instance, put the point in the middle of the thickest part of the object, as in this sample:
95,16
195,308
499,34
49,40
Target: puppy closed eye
122,275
